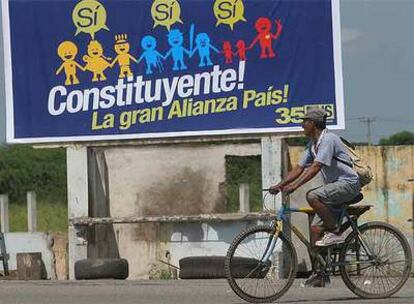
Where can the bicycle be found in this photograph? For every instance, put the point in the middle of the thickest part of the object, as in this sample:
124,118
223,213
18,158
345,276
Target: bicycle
374,261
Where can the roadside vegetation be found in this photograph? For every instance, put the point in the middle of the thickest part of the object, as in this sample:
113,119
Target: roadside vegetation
43,171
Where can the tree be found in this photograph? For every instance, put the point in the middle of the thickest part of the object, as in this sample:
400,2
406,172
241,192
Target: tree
401,138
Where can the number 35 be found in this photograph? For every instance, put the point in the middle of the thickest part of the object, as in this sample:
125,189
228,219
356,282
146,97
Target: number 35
294,115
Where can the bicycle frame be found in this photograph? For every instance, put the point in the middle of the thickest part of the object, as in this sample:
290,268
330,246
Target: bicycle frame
281,218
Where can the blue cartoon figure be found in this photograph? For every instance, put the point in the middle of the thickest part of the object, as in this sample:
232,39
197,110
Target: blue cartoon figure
151,55
203,47
175,40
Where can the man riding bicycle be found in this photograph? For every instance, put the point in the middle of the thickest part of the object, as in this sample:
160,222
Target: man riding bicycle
327,154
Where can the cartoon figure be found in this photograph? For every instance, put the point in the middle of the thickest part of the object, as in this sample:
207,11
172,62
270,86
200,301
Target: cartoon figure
228,54
241,50
263,26
203,46
175,40
151,55
124,58
67,51
96,62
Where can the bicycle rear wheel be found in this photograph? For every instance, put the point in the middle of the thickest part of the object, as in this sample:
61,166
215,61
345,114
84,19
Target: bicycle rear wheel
256,281
384,272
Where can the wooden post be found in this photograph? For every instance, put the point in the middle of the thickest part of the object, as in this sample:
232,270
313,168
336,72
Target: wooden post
77,174
30,266
31,212
244,197
4,211
60,248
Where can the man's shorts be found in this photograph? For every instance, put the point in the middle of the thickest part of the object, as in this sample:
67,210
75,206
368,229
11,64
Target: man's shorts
334,195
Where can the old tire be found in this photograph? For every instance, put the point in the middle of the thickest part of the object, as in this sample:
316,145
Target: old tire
210,267
93,269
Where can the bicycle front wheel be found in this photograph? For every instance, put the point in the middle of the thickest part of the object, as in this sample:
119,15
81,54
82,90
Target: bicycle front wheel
250,276
380,265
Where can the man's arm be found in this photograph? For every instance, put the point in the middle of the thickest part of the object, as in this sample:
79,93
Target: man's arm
292,175
309,174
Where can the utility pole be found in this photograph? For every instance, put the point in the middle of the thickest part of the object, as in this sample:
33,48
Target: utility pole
368,121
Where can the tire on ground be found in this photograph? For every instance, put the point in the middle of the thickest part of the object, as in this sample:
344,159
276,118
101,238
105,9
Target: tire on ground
212,267
91,269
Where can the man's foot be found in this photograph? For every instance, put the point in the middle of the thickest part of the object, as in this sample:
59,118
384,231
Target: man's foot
329,239
317,280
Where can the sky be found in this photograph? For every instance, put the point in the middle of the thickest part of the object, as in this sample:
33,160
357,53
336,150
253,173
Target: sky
378,68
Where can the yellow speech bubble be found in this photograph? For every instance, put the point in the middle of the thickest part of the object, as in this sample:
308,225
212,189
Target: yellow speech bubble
166,12
89,16
229,12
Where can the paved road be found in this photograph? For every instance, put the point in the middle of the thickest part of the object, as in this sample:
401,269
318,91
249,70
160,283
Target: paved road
182,292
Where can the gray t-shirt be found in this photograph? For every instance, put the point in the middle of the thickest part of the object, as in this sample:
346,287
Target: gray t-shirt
332,170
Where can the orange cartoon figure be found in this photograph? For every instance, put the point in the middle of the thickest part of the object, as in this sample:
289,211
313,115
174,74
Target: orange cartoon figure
96,62
124,58
241,50
263,27
67,51
228,54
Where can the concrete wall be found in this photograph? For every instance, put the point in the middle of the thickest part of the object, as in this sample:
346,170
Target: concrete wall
170,180
24,242
144,245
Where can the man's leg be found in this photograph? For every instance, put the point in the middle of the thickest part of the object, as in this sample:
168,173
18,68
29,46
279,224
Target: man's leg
317,279
322,210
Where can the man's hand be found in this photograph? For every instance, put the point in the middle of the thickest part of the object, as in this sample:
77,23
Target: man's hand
289,189
275,189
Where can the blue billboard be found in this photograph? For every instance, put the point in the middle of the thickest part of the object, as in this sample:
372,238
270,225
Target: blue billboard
107,70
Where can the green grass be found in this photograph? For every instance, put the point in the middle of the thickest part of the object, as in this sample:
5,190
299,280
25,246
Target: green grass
51,217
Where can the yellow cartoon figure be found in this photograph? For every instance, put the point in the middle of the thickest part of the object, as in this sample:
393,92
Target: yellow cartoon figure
67,51
124,58
96,62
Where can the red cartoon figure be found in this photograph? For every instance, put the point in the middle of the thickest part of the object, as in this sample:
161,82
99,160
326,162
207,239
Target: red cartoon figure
228,54
263,27
241,50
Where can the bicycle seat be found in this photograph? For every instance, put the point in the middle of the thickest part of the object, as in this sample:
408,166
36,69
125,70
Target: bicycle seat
355,200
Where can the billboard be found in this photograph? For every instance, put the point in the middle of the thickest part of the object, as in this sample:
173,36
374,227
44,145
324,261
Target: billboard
109,70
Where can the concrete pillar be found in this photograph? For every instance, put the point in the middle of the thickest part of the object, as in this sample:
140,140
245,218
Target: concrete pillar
77,175
31,212
272,173
4,213
272,169
244,197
